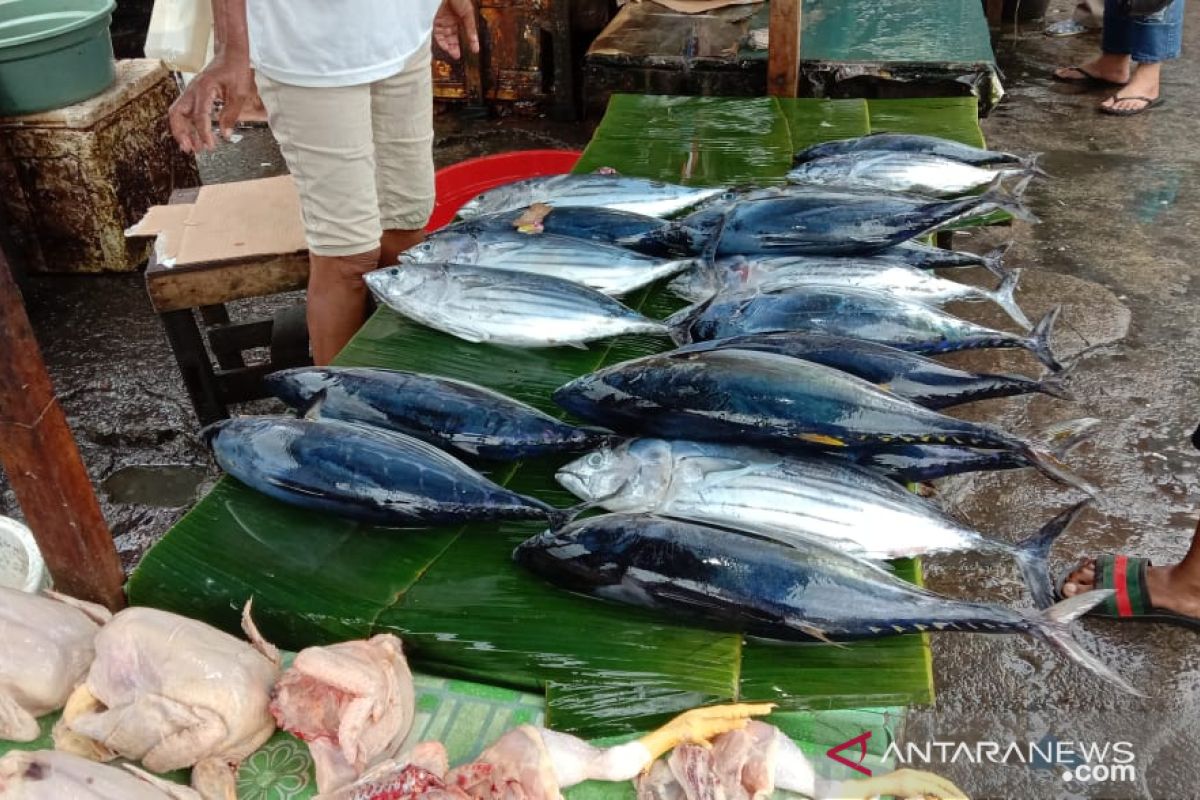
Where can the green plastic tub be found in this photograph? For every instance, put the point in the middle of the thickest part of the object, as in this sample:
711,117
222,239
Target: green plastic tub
53,53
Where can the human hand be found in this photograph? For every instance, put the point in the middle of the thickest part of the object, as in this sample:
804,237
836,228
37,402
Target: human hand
446,23
228,78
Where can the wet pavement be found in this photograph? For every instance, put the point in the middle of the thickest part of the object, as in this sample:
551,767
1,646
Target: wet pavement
1117,247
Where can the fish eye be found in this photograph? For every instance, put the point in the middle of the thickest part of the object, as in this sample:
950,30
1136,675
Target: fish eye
394,271
595,460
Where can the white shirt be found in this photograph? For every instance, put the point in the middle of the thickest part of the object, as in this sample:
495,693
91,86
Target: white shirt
336,42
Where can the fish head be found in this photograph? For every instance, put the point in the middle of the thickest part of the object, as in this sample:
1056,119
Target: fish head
399,285
457,248
633,476
577,556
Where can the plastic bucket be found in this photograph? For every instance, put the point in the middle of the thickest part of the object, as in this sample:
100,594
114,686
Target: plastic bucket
53,53
458,183
21,565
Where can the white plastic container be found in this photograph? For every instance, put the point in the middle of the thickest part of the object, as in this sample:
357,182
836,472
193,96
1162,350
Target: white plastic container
179,33
21,564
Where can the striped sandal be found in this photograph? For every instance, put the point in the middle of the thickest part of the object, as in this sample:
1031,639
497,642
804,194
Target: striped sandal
1126,576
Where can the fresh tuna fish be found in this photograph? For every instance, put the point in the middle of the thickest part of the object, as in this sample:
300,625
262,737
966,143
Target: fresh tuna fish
604,225
774,401
362,473
500,306
817,222
905,173
604,267
855,313
454,415
919,463
909,375
742,275
928,257
638,195
788,498
908,143
762,588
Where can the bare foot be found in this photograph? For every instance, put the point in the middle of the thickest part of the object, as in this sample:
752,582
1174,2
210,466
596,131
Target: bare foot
1168,587
1108,67
1143,84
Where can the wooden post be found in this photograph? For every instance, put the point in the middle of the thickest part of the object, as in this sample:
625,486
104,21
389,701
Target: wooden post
995,12
43,464
783,57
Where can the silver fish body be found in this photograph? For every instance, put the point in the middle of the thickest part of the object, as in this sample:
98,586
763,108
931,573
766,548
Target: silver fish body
639,195
499,306
781,273
906,173
603,267
791,499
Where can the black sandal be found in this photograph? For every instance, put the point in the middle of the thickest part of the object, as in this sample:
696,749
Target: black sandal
1088,78
1150,102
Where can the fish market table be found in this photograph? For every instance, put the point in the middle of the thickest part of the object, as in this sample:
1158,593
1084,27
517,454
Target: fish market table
848,48
463,608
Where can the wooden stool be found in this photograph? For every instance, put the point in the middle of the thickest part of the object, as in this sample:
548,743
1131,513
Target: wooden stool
190,299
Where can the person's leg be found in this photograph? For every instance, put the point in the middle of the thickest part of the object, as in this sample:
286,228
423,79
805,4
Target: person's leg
1116,43
1090,14
402,117
326,139
1154,39
1175,588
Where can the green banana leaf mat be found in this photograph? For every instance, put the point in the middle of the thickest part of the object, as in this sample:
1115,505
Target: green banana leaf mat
462,607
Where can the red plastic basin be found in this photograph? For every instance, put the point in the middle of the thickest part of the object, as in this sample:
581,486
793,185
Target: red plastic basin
458,183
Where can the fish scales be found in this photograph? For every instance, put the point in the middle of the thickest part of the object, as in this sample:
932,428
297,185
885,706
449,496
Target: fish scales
617,192
890,142
921,174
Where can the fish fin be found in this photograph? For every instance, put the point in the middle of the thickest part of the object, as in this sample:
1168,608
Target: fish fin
822,439
1056,386
681,321
558,517
993,260
1026,178
1032,555
1000,197
1047,463
1030,164
1064,437
711,465
1003,297
313,410
816,633
708,256
1053,626
1038,342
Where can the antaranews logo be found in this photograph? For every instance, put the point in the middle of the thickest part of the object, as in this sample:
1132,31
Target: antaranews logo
1088,762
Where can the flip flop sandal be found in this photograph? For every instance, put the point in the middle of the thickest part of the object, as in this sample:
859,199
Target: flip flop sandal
1150,102
1088,78
1126,576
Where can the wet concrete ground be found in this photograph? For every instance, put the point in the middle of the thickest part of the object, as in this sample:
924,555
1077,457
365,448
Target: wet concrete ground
1117,246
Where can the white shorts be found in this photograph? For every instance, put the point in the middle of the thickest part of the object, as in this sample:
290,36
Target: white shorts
361,156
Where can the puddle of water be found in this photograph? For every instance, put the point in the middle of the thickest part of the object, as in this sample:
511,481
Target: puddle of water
161,485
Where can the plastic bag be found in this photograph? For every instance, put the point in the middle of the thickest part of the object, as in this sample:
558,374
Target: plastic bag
179,33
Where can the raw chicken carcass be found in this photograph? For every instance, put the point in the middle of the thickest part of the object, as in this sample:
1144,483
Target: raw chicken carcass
172,693
46,650
51,775
352,702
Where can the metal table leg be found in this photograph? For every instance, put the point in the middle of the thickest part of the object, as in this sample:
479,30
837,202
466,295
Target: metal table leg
187,344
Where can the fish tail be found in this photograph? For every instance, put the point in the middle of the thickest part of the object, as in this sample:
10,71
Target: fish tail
993,260
1053,626
1031,166
558,517
1038,342
1032,555
1048,464
1055,386
1003,297
1059,440
997,196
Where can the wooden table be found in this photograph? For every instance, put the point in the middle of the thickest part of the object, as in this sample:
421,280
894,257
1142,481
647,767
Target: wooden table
208,346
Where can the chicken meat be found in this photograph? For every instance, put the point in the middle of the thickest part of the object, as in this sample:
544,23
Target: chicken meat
51,775
172,693
351,702
47,651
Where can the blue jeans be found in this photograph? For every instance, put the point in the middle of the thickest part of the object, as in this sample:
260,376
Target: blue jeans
1148,40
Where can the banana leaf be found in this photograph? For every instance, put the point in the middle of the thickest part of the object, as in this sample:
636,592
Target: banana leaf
463,607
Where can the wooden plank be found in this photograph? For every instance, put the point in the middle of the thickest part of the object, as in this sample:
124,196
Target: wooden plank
783,61
995,12
194,285
43,464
